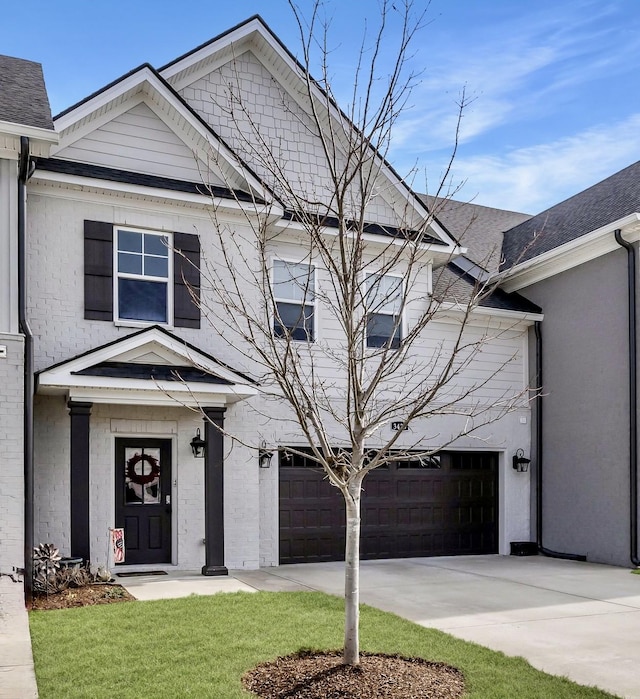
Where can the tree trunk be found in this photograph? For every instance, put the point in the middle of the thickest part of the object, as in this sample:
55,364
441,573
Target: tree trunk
351,655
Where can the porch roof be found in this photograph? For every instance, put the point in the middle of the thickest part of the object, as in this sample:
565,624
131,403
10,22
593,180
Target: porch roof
149,367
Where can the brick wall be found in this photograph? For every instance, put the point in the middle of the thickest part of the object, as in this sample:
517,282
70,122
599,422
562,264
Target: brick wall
12,454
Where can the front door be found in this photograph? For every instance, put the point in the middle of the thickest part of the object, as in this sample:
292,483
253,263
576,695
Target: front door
143,499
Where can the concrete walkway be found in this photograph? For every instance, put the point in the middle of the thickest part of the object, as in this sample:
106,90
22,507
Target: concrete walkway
17,679
581,620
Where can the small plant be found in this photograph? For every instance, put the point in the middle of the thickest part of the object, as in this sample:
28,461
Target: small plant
46,565
51,575
115,592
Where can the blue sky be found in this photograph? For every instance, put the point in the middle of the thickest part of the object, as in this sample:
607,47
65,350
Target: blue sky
554,86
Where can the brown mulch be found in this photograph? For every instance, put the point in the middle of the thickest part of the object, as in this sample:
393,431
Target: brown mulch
318,675
81,597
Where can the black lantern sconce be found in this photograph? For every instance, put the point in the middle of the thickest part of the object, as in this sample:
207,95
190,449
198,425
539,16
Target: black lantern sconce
198,445
264,456
520,462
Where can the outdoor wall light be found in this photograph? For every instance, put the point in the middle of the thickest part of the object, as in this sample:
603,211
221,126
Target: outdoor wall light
520,463
264,456
198,445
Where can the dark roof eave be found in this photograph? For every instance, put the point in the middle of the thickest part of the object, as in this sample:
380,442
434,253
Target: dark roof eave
152,372
70,167
372,228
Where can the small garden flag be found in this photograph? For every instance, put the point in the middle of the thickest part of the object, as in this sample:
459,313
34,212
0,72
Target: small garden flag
117,543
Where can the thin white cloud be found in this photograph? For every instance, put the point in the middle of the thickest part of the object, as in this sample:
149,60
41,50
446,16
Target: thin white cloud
534,178
511,72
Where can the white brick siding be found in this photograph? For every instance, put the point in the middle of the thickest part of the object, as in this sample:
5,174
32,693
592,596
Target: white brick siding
241,494
12,456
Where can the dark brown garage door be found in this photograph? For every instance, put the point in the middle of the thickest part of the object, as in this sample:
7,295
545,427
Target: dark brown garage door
449,507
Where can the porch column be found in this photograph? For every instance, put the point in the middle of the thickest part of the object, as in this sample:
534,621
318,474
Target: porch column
214,492
80,418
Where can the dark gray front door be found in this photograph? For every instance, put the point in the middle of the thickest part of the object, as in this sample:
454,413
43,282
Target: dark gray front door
143,499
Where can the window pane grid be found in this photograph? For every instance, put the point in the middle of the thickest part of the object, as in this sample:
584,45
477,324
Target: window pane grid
143,276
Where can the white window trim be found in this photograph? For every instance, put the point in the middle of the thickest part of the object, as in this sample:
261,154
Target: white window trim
276,299
403,329
132,322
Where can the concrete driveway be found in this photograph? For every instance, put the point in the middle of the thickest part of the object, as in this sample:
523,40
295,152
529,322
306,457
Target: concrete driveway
581,620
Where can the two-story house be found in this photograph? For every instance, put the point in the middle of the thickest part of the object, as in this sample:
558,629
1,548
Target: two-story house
124,273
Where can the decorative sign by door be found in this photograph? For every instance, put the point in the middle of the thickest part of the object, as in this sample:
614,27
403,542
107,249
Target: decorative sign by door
117,545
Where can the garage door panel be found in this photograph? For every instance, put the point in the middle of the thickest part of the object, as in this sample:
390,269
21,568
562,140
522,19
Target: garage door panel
405,511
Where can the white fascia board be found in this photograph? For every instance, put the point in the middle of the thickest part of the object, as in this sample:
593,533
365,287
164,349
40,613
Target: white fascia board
140,391
32,132
138,191
86,109
239,34
450,252
486,311
149,397
510,315
575,252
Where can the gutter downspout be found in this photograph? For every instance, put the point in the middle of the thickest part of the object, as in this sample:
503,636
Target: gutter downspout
25,171
633,397
539,414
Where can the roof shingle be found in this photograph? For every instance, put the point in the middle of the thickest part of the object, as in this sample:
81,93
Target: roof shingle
595,207
23,96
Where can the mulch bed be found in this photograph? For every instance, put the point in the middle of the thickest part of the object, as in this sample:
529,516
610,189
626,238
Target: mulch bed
81,597
318,675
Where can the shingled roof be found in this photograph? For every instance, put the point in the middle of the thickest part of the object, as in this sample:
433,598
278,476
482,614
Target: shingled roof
23,96
605,202
477,228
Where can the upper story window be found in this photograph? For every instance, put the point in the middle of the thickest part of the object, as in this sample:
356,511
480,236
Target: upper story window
294,295
143,265
383,302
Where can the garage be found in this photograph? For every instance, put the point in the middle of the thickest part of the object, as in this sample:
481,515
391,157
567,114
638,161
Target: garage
446,505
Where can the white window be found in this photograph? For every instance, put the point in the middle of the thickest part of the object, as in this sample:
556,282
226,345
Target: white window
383,303
143,263
294,294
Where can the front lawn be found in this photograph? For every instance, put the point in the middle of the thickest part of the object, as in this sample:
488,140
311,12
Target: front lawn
200,647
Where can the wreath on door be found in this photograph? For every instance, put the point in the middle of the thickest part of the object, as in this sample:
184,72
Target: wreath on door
142,478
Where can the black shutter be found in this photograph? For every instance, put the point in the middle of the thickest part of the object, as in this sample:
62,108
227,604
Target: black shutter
186,280
98,270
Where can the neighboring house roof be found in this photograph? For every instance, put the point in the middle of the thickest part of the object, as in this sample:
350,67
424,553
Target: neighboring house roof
453,284
23,96
610,200
477,228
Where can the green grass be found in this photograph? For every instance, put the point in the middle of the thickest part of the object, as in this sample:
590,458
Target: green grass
201,646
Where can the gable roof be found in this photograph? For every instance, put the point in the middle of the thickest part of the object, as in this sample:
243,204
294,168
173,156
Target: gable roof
145,82
612,199
23,96
256,35
150,366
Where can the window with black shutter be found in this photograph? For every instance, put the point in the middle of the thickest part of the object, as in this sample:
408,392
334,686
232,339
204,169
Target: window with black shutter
153,273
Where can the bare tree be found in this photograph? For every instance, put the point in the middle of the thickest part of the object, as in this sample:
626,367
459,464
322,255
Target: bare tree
384,289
